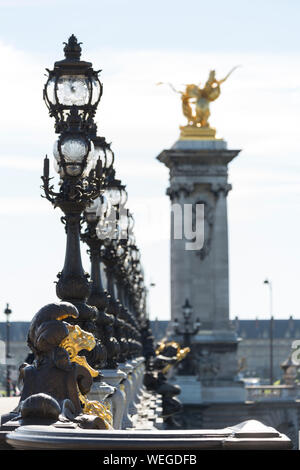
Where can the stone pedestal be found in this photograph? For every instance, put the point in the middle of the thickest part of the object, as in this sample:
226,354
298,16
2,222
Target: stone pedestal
140,378
134,377
100,391
191,389
128,389
115,377
199,250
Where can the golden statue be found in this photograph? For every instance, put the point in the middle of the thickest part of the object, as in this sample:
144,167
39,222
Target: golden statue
195,106
179,353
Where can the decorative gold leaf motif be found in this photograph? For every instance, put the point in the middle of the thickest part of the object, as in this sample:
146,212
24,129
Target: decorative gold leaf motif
76,341
180,354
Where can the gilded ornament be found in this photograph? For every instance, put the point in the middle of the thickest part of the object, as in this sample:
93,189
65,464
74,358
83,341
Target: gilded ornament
76,341
196,107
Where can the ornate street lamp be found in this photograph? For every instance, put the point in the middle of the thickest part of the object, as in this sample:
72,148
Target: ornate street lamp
115,307
187,310
72,93
72,84
189,329
99,296
116,191
102,151
7,312
116,236
74,151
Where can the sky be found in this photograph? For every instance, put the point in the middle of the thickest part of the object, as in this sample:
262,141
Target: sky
137,44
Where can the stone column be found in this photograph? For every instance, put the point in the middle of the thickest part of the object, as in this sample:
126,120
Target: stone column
199,271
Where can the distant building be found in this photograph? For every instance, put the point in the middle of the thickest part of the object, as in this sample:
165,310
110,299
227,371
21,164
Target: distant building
254,344
254,347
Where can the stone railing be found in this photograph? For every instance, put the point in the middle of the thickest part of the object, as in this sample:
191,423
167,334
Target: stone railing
249,435
138,425
123,391
272,392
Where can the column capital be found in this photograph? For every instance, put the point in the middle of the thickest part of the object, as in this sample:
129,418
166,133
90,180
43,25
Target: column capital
176,189
217,188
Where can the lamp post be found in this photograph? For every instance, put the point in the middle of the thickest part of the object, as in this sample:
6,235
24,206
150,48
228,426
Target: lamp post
72,85
7,312
111,247
109,231
189,329
269,284
72,93
99,295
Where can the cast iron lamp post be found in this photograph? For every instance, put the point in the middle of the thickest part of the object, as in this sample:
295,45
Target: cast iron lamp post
72,94
82,160
99,297
115,307
116,191
102,151
116,254
7,312
189,329
72,84
106,234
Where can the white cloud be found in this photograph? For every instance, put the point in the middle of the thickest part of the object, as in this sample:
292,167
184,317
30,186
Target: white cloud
13,206
20,163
